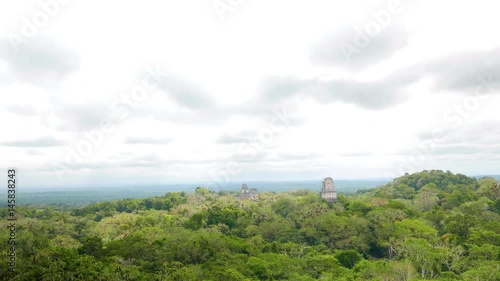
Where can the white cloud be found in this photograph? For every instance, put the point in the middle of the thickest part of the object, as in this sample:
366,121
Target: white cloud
41,61
348,119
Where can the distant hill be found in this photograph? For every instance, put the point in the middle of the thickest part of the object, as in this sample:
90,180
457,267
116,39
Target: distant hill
440,178
82,196
497,177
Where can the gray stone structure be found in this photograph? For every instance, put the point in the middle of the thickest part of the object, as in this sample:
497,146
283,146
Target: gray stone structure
246,193
328,190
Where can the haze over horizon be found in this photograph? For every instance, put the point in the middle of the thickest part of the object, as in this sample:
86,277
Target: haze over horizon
361,183
169,92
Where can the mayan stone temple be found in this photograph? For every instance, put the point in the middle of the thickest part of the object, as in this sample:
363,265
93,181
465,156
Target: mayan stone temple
328,190
246,193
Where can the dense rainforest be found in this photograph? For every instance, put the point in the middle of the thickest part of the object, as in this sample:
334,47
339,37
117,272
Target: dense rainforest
432,225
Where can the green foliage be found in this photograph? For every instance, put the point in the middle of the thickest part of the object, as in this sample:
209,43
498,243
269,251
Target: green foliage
348,258
442,180
432,225
92,246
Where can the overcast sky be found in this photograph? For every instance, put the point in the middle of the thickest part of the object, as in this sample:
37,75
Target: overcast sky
151,92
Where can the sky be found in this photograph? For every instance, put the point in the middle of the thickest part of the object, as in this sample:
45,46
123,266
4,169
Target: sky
98,93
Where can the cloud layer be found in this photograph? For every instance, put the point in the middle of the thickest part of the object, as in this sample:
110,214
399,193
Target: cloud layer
42,61
353,103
